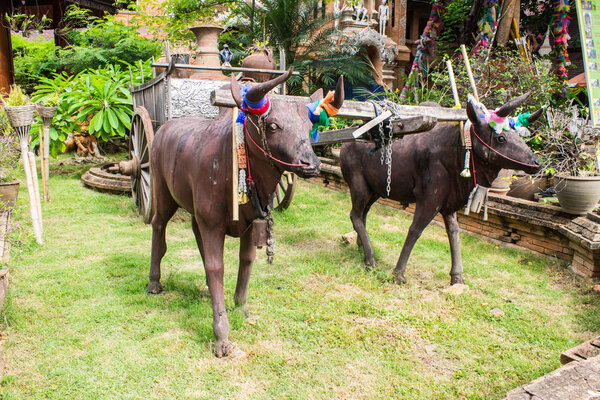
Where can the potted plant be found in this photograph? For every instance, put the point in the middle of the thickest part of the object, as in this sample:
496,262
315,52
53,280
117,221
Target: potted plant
19,110
571,152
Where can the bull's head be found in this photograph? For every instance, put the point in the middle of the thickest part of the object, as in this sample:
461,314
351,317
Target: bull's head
495,138
285,128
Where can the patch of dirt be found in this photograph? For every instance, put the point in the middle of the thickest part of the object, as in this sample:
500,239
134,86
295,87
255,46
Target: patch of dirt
391,228
345,291
360,382
431,362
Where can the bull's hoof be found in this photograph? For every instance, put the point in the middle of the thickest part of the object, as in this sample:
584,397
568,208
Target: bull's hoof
154,288
222,348
456,280
400,279
242,308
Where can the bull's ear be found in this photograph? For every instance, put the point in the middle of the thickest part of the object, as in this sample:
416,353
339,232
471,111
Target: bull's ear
533,117
235,91
318,95
473,110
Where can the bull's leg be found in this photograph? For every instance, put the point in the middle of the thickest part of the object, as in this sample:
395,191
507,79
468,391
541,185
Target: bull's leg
213,240
452,230
358,215
247,256
165,208
423,216
198,238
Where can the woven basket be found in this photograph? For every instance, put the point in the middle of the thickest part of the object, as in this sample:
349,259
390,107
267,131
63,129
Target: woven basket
45,112
19,116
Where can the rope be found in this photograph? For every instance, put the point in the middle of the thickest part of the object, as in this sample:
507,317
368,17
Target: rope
265,152
500,154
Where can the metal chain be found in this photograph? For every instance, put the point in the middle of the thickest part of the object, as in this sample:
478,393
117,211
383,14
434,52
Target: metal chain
270,239
386,150
388,157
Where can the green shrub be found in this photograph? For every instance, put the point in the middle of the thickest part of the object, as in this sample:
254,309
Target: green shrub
100,97
94,43
33,60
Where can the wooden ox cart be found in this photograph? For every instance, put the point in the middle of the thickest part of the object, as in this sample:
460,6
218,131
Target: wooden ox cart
166,97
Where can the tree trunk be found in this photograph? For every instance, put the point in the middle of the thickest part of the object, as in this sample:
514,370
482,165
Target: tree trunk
505,21
470,24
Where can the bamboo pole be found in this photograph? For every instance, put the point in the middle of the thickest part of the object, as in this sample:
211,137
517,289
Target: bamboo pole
463,49
455,95
28,178
234,168
42,160
46,159
453,83
36,188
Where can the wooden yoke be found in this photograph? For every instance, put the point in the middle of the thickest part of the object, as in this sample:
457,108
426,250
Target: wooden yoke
414,119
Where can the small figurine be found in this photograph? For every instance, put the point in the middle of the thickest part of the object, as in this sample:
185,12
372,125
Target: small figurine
338,10
226,55
384,16
360,12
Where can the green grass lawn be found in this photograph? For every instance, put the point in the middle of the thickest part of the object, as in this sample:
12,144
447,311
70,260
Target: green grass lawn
79,325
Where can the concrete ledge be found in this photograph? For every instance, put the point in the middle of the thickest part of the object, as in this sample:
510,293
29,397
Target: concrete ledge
574,381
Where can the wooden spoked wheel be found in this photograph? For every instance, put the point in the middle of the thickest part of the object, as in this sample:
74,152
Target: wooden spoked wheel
140,144
284,191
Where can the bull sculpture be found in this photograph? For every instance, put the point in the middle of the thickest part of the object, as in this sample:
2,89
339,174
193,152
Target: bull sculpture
426,170
191,165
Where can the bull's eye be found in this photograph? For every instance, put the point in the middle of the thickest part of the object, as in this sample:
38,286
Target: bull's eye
501,139
273,126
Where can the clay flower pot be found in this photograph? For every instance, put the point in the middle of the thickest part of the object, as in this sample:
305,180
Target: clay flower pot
8,194
577,194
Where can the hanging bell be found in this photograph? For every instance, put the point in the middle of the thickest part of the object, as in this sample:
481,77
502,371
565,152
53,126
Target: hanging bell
466,173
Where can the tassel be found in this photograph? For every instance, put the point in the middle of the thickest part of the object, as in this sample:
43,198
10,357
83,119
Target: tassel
466,172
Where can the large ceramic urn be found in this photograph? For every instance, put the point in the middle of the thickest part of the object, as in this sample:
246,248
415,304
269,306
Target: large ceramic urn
207,52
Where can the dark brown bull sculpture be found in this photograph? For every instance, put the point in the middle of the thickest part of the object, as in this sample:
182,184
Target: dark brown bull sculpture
426,170
192,167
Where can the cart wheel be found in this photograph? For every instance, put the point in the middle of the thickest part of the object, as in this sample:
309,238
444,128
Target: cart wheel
284,191
140,143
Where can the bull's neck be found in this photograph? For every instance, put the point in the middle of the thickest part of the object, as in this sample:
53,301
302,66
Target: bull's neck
264,175
482,172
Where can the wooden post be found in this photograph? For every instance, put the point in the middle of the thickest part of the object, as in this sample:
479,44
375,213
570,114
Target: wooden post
43,165
235,208
455,95
46,159
30,191
36,188
463,49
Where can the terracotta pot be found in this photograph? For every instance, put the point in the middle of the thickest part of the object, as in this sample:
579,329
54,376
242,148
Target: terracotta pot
260,59
577,194
207,51
527,186
501,185
8,194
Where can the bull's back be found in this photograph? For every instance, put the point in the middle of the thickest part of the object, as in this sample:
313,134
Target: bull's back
415,160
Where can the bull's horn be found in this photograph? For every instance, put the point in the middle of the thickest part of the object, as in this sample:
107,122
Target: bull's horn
235,91
509,107
533,117
257,92
338,98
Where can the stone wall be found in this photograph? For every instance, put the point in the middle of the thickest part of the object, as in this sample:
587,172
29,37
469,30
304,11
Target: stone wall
541,228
